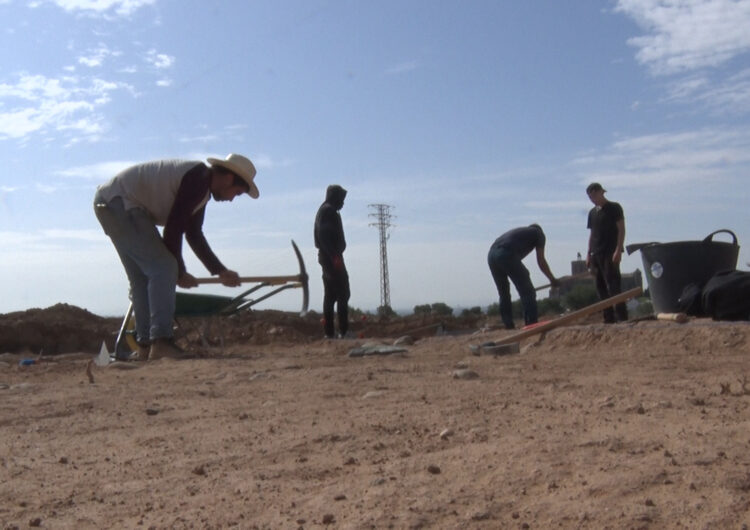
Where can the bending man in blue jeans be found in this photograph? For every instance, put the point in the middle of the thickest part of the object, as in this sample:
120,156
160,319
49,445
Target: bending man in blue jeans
504,260
172,194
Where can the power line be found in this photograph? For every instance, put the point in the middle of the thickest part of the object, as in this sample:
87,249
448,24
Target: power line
383,217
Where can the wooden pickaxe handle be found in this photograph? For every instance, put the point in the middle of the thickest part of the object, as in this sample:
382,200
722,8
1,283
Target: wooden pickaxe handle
271,280
282,282
680,318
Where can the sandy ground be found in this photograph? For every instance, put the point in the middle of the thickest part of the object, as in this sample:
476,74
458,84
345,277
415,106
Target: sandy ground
642,425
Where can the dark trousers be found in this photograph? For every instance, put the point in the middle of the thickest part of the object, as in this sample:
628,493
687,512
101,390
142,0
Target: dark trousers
608,284
504,264
335,291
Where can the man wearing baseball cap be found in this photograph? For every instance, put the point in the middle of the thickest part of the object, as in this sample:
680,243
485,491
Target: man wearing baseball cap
172,194
606,223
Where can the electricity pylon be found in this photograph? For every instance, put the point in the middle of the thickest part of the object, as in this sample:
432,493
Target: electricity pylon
383,218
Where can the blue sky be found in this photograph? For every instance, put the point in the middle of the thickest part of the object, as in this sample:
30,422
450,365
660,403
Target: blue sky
469,118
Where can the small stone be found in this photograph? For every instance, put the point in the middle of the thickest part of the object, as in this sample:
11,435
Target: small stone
433,469
465,373
152,412
503,349
406,340
480,516
329,518
445,433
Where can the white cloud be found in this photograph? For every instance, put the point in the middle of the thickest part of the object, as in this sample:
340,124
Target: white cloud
46,239
401,68
553,205
45,188
80,235
66,104
97,56
120,7
159,60
204,138
100,172
164,83
262,161
690,34
665,159
731,95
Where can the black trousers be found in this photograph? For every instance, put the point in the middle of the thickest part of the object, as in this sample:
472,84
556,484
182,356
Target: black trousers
608,284
335,291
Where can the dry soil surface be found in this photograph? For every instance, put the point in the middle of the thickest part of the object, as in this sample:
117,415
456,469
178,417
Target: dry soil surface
638,425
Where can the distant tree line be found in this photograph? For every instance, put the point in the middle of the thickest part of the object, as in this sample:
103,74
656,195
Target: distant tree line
579,297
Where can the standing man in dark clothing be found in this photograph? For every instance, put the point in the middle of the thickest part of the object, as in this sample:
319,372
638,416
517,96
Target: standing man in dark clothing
330,242
504,259
607,225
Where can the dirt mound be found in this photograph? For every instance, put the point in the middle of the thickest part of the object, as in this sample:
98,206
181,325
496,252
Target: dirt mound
61,328
65,328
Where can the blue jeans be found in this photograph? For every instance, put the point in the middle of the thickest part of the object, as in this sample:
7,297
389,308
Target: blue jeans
151,268
505,264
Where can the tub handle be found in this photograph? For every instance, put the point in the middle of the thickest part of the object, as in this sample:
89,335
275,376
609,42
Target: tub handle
633,247
709,237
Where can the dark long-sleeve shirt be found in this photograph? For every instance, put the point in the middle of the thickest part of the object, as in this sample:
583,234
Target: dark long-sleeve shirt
186,217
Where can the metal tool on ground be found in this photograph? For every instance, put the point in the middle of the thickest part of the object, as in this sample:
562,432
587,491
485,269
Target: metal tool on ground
570,317
562,280
206,305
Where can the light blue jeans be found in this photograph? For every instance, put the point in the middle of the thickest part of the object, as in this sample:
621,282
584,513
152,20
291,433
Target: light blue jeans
151,268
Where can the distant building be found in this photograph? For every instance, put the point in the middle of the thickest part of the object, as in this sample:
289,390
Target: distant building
630,280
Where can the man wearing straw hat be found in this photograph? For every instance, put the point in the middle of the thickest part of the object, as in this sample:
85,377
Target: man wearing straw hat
172,194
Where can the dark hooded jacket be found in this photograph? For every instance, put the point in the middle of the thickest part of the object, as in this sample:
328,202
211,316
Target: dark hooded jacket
329,231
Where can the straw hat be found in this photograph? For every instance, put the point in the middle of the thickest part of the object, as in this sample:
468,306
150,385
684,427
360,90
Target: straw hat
240,166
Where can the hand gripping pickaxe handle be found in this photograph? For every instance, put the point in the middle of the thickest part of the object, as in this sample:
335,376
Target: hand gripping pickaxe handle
299,280
564,279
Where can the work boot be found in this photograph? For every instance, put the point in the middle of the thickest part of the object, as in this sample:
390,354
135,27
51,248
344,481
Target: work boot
141,353
165,349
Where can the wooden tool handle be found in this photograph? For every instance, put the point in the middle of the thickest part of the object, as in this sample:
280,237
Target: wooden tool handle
673,317
272,280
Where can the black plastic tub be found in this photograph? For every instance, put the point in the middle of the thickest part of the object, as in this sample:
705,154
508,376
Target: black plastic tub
670,267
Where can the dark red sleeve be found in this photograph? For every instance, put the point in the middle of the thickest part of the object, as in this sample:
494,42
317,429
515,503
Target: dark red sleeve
182,221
